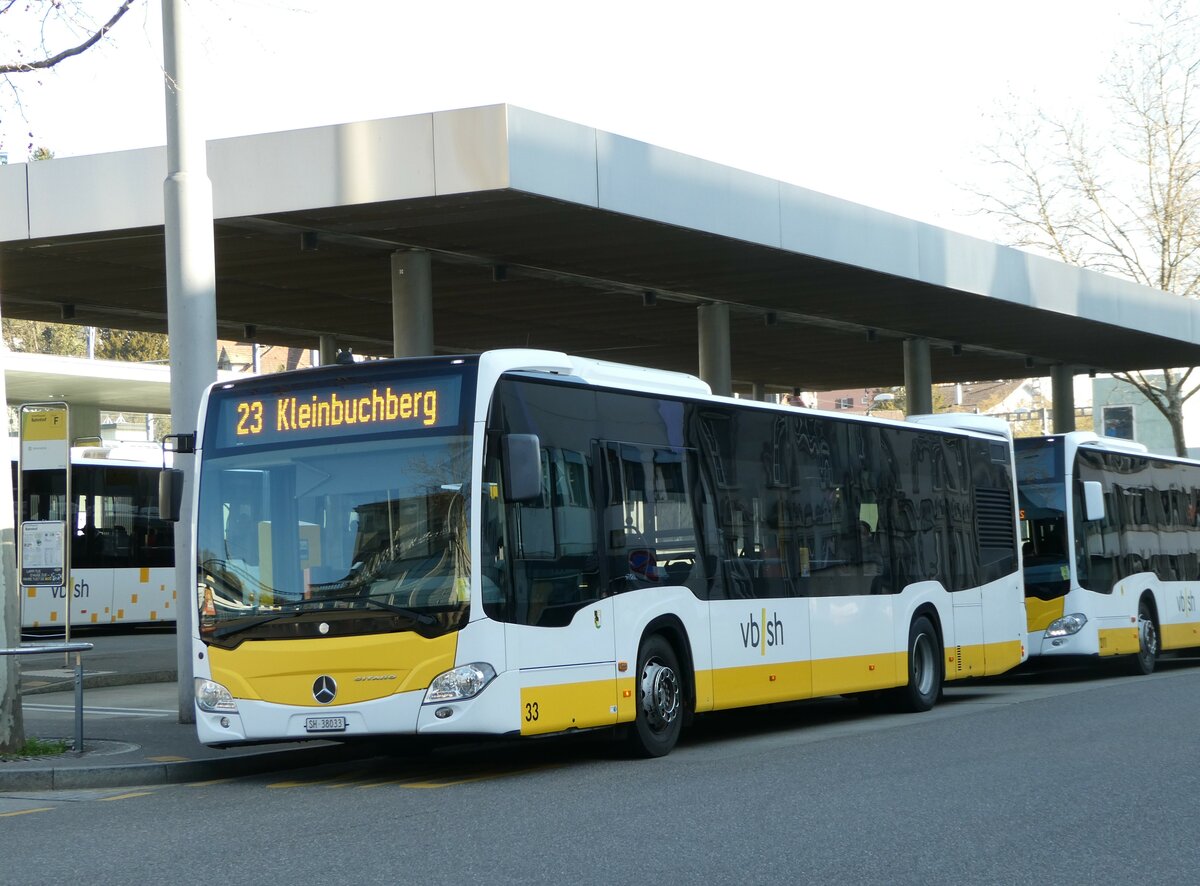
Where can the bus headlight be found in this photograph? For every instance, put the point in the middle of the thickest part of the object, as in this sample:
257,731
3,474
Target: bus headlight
462,682
1067,625
214,698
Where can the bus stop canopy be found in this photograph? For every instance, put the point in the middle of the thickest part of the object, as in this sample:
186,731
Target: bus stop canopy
545,233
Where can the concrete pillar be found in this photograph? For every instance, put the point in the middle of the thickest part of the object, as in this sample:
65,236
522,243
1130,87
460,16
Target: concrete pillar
758,391
715,361
191,305
328,349
85,421
918,378
412,304
12,726
1062,392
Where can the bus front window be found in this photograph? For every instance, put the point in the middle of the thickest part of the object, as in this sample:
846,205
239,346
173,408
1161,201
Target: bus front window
356,537
1044,540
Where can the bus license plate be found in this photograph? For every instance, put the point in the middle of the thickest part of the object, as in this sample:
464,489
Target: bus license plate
325,724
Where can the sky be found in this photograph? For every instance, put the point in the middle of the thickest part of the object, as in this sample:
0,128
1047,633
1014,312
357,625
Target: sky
885,103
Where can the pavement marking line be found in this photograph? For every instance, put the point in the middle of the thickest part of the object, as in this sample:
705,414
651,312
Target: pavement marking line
104,712
204,784
426,783
26,811
128,796
302,784
167,758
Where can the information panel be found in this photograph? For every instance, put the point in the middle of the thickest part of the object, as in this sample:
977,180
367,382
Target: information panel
338,411
45,446
44,442
43,553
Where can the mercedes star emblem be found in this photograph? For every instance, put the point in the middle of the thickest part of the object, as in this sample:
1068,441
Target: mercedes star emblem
324,689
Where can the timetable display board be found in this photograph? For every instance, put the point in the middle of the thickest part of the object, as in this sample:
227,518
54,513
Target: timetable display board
45,446
337,411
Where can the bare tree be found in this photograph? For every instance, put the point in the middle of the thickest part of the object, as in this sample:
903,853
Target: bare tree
56,16
1127,203
39,34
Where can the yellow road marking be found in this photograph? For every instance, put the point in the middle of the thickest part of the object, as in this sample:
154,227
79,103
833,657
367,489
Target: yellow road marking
128,796
169,759
451,780
204,784
348,776
25,811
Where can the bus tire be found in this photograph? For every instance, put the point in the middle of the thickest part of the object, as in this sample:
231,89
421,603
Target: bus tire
659,699
924,669
1147,654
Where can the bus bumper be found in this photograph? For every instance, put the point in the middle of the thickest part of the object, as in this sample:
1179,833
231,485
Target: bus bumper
257,721
1084,642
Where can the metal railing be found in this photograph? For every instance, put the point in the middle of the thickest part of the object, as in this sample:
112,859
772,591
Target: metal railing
50,648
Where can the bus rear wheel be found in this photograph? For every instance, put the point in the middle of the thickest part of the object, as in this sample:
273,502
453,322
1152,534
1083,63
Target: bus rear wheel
1147,654
659,698
924,669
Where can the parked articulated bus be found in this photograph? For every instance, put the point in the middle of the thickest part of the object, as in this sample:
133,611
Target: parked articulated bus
122,554
1111,539
522,542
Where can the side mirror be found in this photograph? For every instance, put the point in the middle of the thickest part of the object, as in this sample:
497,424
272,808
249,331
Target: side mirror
522,455
1093,500
170,493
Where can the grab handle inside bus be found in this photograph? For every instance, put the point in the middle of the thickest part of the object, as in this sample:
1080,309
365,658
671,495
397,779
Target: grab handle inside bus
522,454
170,494
1093,500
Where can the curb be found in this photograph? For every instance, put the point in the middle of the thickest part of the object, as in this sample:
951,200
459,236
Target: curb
100,681
50,778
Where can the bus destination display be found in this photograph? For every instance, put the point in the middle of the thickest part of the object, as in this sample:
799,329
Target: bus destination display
339,411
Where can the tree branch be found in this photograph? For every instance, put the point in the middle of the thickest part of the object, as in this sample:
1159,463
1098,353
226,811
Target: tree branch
26,67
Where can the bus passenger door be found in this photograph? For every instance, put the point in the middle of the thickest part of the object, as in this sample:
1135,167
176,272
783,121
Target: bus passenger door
561,633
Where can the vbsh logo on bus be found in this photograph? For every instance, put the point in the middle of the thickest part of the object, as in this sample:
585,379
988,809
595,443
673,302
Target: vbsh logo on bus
761,633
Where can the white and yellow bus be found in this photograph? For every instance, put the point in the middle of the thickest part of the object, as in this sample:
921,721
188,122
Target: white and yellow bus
523,542
1111,542
122,554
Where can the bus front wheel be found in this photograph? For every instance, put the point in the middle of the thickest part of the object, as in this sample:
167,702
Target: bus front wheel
924,669
660,695
1147,654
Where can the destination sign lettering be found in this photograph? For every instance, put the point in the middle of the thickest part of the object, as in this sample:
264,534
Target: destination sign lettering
344,410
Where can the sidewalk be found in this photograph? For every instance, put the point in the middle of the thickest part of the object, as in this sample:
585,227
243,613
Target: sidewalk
131,733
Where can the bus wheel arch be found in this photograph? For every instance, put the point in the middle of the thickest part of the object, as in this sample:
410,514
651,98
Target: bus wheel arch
1149,634
663,691
925,664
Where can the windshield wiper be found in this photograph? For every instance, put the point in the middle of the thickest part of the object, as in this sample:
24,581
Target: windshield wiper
245,625
245,622
421,618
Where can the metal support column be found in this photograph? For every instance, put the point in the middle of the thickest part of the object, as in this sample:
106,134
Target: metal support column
412,304
191,304
715,361
1062,392
918,377
328,349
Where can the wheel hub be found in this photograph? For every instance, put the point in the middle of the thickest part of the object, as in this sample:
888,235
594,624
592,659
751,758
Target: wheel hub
660,695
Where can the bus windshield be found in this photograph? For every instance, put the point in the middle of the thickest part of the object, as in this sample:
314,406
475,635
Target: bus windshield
345,537
1043,499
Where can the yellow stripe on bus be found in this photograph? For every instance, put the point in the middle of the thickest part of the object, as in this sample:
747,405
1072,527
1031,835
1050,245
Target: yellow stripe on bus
1118,641
1182,636
568,706
1003,657
761,684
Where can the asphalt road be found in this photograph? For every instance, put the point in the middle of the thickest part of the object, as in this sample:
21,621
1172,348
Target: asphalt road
1048,778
